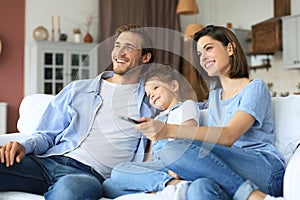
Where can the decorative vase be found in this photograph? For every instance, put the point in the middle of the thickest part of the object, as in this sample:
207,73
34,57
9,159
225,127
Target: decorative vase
88,38
77,35
40,33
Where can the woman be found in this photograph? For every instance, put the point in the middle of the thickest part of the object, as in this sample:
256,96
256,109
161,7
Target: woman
233,157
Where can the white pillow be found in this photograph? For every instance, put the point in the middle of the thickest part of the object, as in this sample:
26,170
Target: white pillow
203,117
31,109
287,124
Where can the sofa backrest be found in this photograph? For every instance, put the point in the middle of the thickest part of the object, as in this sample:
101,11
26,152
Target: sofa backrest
287,124
286,116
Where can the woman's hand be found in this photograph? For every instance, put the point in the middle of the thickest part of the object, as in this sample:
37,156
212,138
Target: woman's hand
11,152
152,129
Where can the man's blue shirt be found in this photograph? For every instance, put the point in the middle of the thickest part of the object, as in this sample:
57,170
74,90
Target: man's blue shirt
69,116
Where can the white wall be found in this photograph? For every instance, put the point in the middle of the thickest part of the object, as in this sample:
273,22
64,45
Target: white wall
241,13
73,14
244,14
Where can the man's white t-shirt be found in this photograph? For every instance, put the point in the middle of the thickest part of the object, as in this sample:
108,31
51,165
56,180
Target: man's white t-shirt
111,140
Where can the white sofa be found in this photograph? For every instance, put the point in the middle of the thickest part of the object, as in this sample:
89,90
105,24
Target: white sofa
287,127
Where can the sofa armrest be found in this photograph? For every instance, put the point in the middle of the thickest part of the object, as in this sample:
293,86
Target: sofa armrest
5,138
292,177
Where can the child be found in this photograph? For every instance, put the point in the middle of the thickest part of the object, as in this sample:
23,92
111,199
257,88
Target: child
165,89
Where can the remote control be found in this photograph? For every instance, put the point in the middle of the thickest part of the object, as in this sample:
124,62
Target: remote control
129,119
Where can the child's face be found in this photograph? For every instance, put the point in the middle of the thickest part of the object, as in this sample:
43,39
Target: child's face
162,95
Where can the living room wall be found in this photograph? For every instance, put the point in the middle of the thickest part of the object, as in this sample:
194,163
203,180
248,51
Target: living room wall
12,28
243,14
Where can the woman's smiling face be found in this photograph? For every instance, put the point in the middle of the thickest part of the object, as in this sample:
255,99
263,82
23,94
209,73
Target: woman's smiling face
214,57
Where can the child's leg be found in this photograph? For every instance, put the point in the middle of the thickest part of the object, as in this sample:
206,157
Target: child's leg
113,190
133,177
204,188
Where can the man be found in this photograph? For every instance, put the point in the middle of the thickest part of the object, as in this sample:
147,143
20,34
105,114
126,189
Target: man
80,136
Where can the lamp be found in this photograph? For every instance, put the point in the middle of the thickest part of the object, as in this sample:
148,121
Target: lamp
187,7
191,29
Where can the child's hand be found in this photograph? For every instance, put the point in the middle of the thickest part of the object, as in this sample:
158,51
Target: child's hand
173,174
152,129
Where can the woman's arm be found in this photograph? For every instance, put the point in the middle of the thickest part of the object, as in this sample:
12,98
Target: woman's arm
237,126
190,122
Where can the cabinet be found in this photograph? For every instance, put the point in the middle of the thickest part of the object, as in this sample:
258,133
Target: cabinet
55,64
267,36
291,41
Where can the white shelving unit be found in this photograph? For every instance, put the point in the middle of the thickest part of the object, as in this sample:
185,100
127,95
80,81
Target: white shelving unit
3,116
55,64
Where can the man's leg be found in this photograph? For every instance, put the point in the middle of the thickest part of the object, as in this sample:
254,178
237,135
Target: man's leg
75,187
27,176
68,178
72,180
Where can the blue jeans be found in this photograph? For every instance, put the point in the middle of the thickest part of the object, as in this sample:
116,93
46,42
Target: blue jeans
156,147
204,188
128,178
55,177
236,171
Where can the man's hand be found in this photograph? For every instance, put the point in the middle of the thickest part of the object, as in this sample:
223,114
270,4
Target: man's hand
11,152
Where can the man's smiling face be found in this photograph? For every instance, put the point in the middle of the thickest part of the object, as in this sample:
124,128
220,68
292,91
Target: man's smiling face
127,52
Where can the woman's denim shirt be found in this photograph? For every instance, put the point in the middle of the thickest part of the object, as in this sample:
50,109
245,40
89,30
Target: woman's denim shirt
68,118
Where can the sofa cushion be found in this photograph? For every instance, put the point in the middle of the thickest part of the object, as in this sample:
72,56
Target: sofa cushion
14,195
30,111
292,177
287,124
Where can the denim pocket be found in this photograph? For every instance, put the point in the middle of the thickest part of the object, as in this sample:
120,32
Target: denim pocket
275,185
